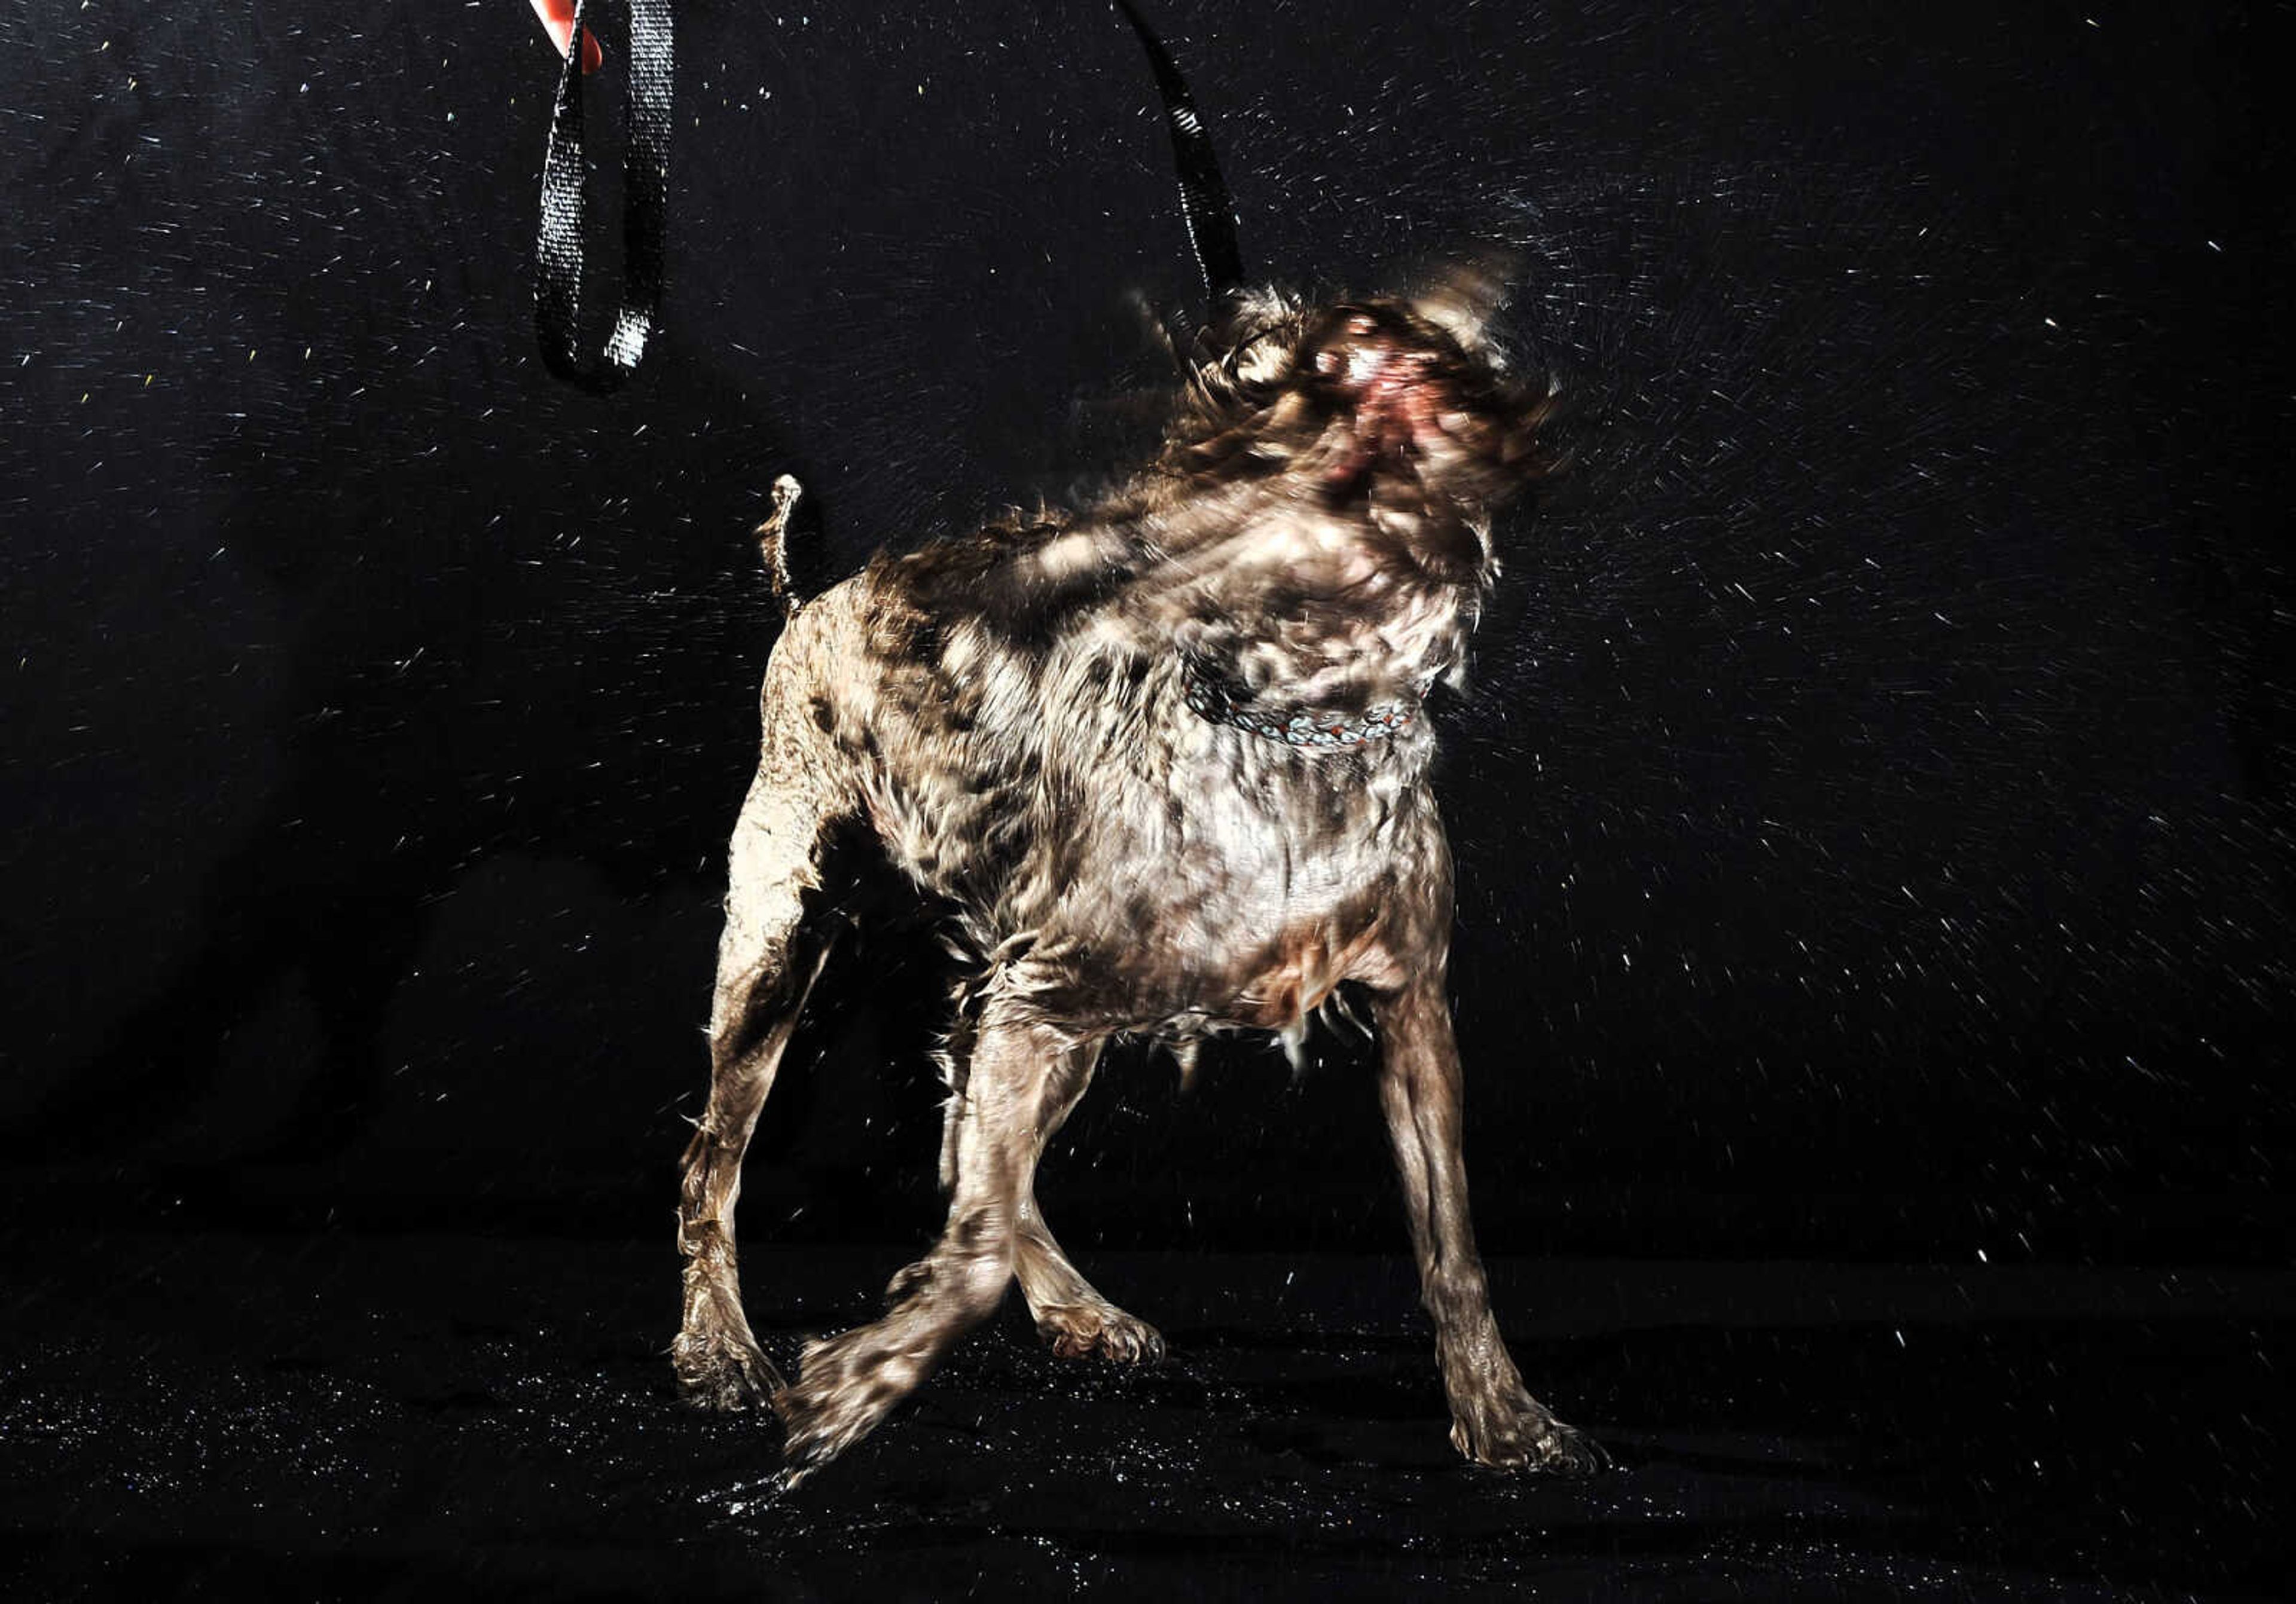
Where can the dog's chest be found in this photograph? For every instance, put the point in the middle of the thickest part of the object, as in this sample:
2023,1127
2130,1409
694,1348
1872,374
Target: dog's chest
1238,885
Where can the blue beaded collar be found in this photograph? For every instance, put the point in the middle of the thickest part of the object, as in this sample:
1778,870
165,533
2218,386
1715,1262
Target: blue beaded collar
1307,728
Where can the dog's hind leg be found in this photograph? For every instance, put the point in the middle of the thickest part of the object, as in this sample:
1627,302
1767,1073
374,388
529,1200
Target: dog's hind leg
849,1383
767,960
1072,1316
1495,1420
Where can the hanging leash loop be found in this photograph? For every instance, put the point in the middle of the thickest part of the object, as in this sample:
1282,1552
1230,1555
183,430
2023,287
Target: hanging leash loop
561,240
561,244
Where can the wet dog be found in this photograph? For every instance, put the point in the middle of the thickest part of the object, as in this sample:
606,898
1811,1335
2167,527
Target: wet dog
1163,760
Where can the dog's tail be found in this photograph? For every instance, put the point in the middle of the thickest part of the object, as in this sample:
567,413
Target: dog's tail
773,543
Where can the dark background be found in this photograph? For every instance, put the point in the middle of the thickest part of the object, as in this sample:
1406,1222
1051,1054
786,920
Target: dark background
1873,805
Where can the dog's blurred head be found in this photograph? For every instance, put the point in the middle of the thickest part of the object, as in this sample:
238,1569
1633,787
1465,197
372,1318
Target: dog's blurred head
1398,409
1317,525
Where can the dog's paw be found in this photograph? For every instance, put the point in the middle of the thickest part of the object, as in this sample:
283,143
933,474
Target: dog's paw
1518,1435
1083,1331
721,1371
846,1385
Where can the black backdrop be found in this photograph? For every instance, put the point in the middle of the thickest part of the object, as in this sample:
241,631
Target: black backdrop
1873,804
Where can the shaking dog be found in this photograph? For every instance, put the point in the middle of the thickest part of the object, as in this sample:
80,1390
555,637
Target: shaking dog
1161,764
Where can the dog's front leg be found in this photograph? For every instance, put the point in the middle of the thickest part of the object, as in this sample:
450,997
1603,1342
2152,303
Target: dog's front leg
848,1384
1495,1420
1072,1316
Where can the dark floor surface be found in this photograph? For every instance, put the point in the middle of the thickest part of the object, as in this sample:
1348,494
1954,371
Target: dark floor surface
232,1417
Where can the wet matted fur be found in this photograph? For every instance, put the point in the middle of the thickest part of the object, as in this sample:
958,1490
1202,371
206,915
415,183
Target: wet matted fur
1164,759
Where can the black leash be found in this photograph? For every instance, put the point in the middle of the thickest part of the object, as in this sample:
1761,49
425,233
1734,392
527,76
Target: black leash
559,243
1204,203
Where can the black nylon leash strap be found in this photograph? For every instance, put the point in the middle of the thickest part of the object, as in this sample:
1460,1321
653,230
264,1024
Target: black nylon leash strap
560,242
1204,203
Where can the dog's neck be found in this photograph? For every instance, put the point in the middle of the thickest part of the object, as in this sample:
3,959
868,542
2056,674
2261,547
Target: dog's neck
1295,620
1218,703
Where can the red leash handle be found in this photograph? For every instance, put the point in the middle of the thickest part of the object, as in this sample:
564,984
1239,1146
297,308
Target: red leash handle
558,20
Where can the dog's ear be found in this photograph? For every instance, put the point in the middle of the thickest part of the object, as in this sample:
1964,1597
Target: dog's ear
1461,297
1245,350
